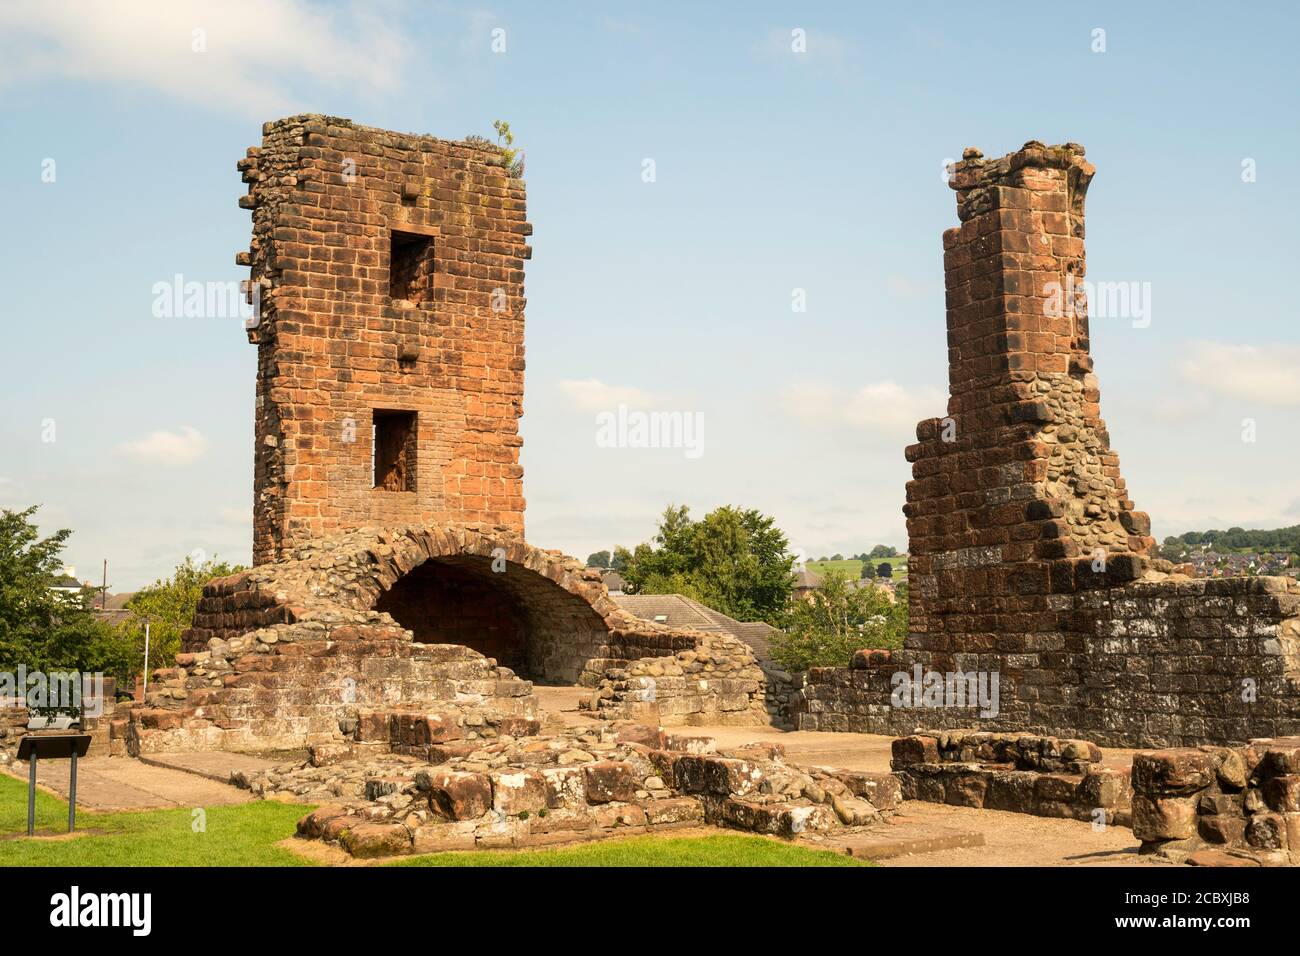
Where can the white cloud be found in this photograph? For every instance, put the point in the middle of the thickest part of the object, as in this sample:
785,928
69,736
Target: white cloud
884,407
169,449
593,395
888,407
1264,375
255,51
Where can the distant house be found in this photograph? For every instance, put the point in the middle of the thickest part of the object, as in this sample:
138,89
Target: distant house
613,581
805,583
680,611
67,583
113,609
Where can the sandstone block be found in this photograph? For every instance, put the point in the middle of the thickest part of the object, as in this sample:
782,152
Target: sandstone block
456,795
1163,818
518,791
609,781
376,839
1166,773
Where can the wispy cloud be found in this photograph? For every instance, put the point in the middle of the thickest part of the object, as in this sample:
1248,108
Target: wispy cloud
1263,375
593,395
884,407
245,56
168,449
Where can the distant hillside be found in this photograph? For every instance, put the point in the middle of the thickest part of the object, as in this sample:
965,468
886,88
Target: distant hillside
853,567
1284,540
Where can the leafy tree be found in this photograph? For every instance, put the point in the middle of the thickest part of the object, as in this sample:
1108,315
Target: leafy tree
734,560
837,557
40,628
884,570
619,562
168,606
835,621
598,559
883,551
868,571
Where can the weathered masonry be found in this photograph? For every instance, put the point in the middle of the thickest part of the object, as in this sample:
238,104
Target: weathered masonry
391,331
393,588
1028,559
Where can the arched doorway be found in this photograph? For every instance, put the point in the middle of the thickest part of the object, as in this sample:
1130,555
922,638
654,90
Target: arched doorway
503,610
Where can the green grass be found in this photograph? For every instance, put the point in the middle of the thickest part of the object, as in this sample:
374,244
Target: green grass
243,835
854,568
720,850
247,834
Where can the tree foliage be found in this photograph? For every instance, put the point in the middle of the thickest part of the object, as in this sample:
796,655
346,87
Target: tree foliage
598,559
734,560
837,619
42,629
1278,540
168,606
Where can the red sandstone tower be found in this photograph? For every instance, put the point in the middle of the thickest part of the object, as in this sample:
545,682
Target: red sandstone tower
1016,494
390,334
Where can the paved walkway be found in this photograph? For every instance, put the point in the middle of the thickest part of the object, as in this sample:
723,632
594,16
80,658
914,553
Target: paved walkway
121,783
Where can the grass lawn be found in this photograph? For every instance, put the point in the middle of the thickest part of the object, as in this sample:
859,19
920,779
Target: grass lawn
724,849
243,835
854,568
247,834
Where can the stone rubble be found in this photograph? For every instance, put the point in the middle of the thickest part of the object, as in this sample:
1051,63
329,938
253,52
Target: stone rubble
578,784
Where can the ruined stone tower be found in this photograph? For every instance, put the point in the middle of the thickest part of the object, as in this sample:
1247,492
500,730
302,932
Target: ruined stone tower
1016,493
390,332
1028,564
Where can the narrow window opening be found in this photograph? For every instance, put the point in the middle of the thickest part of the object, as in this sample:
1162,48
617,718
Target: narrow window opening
393,435
410,267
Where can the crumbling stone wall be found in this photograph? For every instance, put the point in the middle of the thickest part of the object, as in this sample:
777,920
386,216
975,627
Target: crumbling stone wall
583,783
390,275
292,654
1241,802
13,728
1021,773
1027,558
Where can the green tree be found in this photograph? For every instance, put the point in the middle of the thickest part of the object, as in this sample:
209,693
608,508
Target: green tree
883,551
40,628
168,607
868,571
835,621
734,560
598,559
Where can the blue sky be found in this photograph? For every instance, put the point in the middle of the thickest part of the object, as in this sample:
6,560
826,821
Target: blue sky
774,171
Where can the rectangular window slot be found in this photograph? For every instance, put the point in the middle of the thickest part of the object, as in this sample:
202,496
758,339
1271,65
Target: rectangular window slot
394,437
410,267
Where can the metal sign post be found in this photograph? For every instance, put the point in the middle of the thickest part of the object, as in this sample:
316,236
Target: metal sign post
57,746
146,659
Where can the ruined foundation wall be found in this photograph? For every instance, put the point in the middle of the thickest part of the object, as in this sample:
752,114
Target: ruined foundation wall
1027,559
345,331
296,653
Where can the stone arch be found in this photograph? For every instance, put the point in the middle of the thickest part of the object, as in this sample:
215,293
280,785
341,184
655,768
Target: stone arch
503,610
538,612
